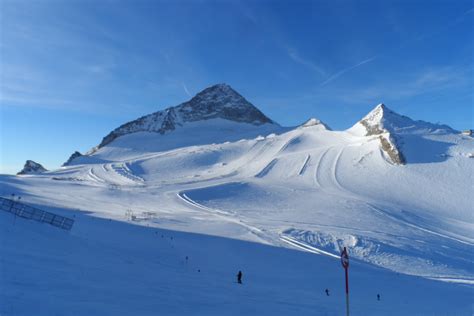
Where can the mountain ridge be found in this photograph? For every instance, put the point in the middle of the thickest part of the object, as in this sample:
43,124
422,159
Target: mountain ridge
391,127
381,119
32,167
219,114
217,101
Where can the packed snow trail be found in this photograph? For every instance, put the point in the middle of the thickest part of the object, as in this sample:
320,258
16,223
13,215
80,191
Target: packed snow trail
267,168
309,189
228,216
305,247
305,165
123,170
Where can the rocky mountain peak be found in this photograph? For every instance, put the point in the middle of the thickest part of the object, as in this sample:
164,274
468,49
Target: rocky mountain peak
32,167
384,123
382,119
219,101
390,127
74,155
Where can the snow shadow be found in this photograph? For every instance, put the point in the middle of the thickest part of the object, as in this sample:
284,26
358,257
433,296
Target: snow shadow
221,191
108,267
418,149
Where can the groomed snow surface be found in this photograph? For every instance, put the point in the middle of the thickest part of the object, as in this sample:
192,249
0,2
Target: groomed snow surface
276,206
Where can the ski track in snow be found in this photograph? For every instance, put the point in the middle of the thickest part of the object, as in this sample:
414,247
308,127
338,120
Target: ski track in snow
317,174
335,167
122,170
305,165
300,245
228,216
454,280
405,222
94,177
267,168
130,174
190,201
262,149
286,144
327,169
325,173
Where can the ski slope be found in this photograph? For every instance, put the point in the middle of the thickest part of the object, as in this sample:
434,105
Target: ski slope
277,205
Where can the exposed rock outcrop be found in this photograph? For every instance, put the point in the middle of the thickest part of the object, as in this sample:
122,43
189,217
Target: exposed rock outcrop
32,167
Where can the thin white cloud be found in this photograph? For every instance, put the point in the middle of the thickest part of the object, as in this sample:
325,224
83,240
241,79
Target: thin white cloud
429,81
343,71
293,54
462,17
433,82
186,90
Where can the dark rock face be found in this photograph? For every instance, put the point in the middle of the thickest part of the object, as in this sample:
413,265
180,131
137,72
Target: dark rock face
218,101
75,155
371,129
32,167
381,120
391,129
391,149
221,101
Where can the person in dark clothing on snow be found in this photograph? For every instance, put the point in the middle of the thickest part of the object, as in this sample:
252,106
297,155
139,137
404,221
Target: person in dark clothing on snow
327,292
239,277
378,297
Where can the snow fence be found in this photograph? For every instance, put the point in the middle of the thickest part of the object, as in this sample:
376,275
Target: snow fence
29,212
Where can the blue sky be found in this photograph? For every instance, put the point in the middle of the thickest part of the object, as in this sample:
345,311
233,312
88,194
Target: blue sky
71,71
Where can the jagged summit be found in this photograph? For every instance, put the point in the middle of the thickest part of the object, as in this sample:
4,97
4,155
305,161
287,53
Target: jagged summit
382,119
219,101
390,127
32,167
384,122
74,155
314,122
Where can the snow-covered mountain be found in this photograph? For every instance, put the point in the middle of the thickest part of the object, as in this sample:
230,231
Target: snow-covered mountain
381,120
217,114
32,167
315,122
73,156
216,102
182,211
392,130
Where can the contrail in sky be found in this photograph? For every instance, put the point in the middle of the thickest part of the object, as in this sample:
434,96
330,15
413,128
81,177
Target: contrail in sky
340,73
186,90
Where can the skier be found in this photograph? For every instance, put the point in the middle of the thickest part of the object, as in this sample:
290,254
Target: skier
378,297
239,277
327,292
